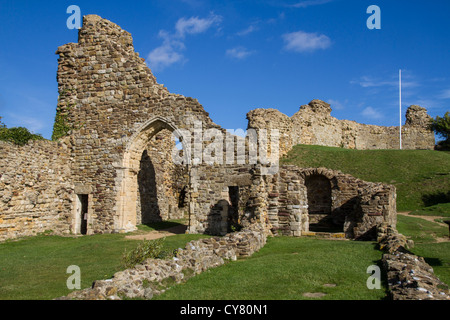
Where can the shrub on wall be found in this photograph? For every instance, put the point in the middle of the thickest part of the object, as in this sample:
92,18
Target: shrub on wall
61,127
145,250
17,135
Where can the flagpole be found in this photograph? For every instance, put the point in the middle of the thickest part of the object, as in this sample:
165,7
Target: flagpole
400,104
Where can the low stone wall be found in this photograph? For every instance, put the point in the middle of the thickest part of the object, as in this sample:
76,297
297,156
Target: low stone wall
153,276
409,276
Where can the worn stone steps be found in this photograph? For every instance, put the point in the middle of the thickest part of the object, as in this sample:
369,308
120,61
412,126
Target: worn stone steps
325,235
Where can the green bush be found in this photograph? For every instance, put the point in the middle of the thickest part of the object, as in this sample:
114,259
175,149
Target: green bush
145,250
18,135
441,126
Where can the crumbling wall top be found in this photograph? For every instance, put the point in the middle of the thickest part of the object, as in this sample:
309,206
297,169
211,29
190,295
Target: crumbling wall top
96,30
317,106
417,116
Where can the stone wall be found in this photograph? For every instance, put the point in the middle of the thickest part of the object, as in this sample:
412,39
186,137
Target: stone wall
153,276
314,125
115,106
356,207
36,192
219,198
409,276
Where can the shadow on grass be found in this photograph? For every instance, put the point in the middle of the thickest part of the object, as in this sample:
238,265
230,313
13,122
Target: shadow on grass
161,225
434,262
435,198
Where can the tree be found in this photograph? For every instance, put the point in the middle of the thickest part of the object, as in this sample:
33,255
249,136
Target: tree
17,135
441,126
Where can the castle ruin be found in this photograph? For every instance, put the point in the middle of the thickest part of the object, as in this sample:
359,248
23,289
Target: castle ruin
115,170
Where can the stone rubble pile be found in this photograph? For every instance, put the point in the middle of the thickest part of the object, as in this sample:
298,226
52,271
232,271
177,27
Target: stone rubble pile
154,276
409,276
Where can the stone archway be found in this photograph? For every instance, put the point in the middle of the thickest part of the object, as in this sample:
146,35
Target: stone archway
134,158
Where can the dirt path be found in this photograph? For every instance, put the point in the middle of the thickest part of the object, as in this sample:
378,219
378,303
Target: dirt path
429,218
152,235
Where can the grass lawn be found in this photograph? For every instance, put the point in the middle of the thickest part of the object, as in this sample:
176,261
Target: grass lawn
422,177
285,269
424,234
35,267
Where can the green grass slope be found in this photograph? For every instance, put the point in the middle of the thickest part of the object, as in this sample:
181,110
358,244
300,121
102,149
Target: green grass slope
286,269
422,177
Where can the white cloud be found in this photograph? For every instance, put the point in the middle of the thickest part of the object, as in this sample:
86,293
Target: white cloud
336,105
372,113
196,25
164,56
308,3
238,53
250,29
370,82
31,123
445,94
173,43
301,41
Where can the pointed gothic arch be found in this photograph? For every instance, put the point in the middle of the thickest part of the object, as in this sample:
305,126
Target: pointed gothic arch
127,193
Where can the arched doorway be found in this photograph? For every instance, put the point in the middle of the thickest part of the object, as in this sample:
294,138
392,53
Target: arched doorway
318,189
140,189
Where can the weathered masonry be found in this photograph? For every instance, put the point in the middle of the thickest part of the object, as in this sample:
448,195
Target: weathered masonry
314,125
115,169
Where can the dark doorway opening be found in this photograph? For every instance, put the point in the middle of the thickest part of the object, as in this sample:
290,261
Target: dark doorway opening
147,209
319,204
84,200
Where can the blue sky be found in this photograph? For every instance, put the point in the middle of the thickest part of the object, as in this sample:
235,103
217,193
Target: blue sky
234,56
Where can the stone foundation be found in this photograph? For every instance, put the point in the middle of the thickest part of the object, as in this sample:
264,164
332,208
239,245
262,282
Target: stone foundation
154,275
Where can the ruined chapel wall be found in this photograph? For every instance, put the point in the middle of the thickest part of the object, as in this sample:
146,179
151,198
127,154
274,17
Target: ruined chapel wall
36,192
109,95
